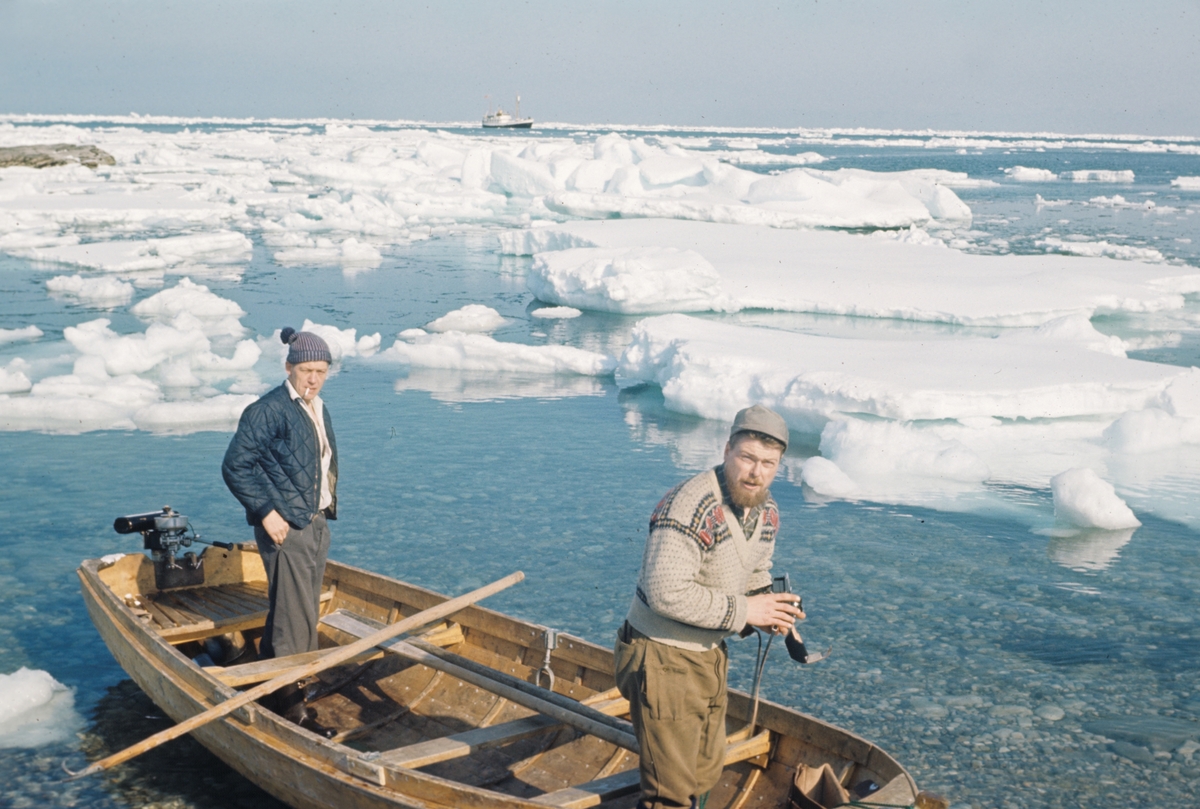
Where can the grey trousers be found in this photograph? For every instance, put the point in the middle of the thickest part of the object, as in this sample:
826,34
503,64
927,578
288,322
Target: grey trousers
294,573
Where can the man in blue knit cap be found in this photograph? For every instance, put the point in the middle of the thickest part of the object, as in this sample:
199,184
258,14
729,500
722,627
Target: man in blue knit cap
282,466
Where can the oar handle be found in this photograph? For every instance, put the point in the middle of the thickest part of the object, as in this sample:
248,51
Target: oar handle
435,613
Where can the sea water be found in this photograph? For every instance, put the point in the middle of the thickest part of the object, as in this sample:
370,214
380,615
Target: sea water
1003,667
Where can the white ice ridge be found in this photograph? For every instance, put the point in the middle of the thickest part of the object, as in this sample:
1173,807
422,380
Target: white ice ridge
460,351
336,194
899,418
35,709
651,266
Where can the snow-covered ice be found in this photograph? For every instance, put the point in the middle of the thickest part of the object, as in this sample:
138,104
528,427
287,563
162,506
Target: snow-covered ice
1186,183
664,266
19,335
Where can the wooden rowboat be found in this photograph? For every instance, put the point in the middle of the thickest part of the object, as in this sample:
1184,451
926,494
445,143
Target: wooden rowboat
454,717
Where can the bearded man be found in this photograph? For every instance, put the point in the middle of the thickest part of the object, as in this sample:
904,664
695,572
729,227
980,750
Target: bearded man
705,575
282,467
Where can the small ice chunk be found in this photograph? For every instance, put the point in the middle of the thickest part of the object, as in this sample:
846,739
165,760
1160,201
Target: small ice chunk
1186,183
13,378
474,317
218,315
342,342
35,709
478,352
16,335
1023,174
823,476
1083,499
1099,176
104,291
556,312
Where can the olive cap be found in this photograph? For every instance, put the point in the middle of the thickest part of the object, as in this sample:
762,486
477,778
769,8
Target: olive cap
760,420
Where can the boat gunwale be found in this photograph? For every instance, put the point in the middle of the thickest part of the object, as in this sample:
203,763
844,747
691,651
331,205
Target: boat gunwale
786,722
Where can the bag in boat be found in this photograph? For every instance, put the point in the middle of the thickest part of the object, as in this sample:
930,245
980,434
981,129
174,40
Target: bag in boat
816,788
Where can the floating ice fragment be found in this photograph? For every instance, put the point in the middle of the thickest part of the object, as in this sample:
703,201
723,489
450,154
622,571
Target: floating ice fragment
1023,174
35,709
1186,183
342,342
13,378
1082,499
825,477
556,312
1100,248
104,291
219,316
1098,176
478,352
474,317
16,335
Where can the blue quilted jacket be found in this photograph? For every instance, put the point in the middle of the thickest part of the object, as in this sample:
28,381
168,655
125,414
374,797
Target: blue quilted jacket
274,461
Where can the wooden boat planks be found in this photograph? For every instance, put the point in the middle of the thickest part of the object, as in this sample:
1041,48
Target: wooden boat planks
564,709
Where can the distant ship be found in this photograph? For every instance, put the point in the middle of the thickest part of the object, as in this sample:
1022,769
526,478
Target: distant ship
502,120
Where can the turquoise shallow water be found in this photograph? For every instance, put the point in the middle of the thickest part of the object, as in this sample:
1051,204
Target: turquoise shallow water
1003,668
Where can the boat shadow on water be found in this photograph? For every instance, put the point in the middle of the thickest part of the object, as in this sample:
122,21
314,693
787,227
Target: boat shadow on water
180,774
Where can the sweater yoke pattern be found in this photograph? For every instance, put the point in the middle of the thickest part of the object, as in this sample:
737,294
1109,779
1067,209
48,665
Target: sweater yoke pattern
706,522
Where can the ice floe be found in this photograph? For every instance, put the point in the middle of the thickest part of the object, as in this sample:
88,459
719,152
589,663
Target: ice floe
19,335
1083,499
1023,174
1186,183
1098,176
663,265
103,292
556,312
35,710
474,317
479,352
900,418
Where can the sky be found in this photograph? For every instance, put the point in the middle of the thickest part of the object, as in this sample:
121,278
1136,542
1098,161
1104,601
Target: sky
1073,66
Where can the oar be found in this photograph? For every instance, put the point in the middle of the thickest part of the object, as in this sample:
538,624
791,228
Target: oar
422,618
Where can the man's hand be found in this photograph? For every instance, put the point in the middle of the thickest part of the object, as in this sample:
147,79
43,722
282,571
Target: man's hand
774,612
276,527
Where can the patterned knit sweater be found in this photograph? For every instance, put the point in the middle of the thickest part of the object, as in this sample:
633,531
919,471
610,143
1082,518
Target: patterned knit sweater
699,564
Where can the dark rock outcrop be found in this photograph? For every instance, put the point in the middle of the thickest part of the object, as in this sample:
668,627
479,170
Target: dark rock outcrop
54,154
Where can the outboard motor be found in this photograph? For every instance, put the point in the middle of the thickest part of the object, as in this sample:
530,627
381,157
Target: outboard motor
163,533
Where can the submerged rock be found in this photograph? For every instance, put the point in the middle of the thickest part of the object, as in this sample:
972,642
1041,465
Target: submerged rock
54,154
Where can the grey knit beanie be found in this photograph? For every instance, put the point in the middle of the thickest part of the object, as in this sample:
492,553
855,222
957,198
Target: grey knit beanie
304,346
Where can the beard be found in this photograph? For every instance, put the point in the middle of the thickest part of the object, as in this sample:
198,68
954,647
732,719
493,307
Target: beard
745,499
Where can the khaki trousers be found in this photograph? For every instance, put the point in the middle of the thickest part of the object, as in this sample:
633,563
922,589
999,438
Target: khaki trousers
677,703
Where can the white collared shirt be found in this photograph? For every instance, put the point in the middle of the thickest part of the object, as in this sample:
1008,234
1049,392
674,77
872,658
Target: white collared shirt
316,411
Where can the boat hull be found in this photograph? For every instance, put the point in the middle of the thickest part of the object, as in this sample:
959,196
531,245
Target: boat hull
310,772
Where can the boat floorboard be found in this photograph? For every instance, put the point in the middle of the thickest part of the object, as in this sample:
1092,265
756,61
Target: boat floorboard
195,613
